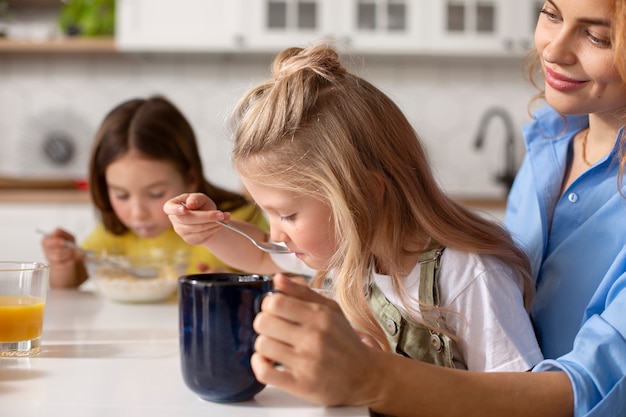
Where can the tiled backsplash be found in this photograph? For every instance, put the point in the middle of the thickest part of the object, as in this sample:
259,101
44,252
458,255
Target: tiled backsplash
444,98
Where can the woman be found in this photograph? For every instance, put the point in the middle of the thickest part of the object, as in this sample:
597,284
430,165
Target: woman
580,44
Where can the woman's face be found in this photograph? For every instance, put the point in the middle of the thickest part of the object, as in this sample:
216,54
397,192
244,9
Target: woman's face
574,44
305,224
138,187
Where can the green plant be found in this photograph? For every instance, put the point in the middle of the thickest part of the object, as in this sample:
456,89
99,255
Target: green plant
5,16
4,8
88,17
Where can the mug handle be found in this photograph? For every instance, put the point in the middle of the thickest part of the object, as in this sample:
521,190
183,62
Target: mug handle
259,299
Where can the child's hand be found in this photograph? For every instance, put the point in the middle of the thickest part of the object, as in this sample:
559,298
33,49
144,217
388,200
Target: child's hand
57,253
190,201
194,217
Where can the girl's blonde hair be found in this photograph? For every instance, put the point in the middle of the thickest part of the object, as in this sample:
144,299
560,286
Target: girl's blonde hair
317,129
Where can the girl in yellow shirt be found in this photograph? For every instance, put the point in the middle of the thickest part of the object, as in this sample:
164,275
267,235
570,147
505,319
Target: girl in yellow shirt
145,153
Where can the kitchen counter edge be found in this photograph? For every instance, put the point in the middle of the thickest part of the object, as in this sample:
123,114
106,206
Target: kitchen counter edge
82,197
45,196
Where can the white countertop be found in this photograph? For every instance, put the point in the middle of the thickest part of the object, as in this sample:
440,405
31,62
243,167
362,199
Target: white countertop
100,358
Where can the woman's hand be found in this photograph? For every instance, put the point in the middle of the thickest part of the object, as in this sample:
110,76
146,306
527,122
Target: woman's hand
323,359
194,217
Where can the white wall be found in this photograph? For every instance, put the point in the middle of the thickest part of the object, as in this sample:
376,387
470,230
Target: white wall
443,97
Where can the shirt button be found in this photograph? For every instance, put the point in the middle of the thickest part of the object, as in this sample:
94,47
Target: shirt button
436,342
392,329
572,197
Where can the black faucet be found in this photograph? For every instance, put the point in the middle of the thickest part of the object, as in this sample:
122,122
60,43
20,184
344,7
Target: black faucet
508,175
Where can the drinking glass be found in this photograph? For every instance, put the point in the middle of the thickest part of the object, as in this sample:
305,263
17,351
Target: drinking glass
23,289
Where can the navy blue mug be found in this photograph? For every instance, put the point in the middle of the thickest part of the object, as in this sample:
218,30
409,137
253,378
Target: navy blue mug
216,311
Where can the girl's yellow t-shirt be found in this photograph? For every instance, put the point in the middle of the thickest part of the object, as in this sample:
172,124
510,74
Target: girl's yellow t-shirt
102,241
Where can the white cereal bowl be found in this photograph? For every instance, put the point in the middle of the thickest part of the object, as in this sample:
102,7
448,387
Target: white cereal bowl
118,284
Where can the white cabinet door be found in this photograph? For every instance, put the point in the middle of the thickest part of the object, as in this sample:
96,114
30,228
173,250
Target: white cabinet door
383,26
355,26
273,25
481,27
521,18
439,27
178,26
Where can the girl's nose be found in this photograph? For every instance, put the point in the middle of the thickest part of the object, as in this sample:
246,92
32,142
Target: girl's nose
138,209
277,234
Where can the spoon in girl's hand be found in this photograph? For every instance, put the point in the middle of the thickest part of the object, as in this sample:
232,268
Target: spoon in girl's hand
264,246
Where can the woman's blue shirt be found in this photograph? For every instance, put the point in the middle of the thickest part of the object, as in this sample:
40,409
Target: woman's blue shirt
576,241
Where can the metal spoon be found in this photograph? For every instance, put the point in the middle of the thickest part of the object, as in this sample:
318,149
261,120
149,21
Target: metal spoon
264,246
138,272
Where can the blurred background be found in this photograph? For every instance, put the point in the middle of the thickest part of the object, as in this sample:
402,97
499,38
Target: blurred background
455,67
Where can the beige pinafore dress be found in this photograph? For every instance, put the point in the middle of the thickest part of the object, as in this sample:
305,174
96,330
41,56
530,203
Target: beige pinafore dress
406,336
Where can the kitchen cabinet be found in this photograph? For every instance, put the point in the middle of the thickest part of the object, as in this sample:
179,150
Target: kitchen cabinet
432,27
181,26
359,26
477,27
417,27
272,25
383,26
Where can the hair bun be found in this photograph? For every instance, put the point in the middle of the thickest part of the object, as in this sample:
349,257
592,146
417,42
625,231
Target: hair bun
322,60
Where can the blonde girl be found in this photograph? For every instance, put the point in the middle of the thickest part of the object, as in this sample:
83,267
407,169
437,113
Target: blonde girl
346,186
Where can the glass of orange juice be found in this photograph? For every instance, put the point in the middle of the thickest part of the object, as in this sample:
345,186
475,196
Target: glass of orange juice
23,289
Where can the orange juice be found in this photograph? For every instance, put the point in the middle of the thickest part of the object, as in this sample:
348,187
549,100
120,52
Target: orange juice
21,318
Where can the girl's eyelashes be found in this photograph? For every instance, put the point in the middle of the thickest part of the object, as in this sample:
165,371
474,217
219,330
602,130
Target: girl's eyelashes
288,218
152,195
157,196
